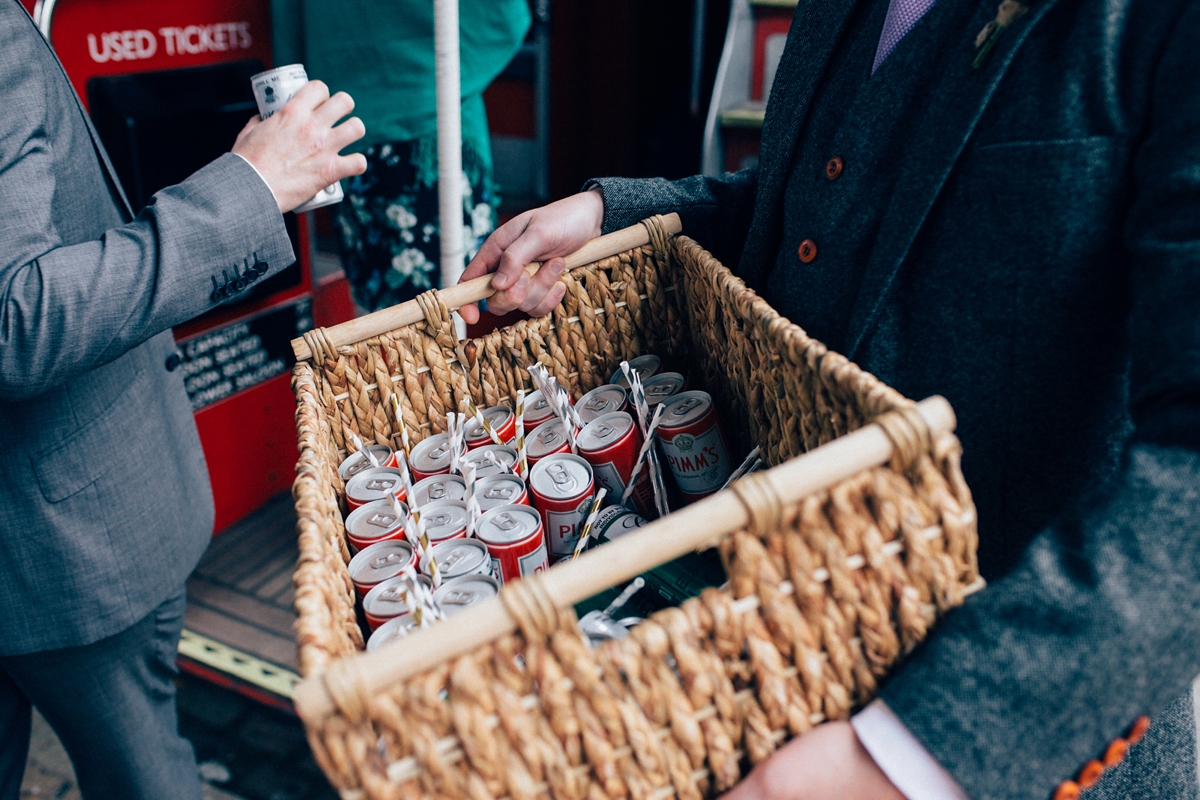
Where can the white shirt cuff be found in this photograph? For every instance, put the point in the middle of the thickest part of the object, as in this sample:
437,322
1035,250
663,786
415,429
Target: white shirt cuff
905,761
260,176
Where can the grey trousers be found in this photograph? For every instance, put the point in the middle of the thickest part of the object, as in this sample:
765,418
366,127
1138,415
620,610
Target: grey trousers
112,703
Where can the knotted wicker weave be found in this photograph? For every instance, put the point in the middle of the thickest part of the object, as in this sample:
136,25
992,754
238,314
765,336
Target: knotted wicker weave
826,591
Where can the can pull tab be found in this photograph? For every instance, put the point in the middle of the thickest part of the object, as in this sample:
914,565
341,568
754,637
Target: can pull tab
381,484
561,477
437,491
550,437
455,556
458,597
382,520
681,409
438,520
605,431
597,404
394,594
439,451
386,561
505,521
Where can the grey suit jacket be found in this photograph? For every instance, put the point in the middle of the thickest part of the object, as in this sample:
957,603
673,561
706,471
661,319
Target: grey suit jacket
1039,264
105,504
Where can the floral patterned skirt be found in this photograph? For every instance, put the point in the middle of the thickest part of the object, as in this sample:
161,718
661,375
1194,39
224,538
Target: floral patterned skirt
388,229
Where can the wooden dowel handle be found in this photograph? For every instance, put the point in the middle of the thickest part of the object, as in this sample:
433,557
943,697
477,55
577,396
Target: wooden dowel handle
697,526
472,291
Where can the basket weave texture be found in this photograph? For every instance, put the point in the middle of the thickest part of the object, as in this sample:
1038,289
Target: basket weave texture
826,592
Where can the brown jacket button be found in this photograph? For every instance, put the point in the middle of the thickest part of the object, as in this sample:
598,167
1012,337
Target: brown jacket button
834,168
808,251
1067,790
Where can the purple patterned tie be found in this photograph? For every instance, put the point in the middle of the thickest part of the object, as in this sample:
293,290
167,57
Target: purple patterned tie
902,15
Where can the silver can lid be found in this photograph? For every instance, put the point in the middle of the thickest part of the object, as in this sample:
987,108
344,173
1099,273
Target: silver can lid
507,524
375,520
358,462
432,454
497,417
662,386
389,598
499,490
547,438
685,408
374,484
380,561
444,519
646,366
600,401
504,454
457,557
561,476
537,407
462,593
438,487
603,432
390,631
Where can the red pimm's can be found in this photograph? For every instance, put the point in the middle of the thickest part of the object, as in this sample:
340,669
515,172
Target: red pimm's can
375,522
375,564
500,490
662,387
387,600
537,410
602,400
357,462
611,444
562,487
503,422
374,484
514,538
438,487
694,444
547,439
445,519
646,367
430,457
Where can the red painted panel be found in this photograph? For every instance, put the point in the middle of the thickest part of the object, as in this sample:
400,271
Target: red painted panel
510,108
332,302
768,21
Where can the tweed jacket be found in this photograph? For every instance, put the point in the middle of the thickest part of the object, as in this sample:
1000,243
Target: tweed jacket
104,494
1038,263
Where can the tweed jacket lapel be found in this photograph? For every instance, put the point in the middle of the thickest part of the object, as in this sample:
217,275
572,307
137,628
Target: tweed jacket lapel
956,104
816,29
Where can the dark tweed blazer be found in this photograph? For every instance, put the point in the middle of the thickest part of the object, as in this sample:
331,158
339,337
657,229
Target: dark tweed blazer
1039,264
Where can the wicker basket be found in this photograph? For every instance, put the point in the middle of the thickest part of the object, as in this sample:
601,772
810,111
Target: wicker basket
838,561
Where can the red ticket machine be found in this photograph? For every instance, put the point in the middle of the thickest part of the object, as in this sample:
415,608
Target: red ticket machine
167,86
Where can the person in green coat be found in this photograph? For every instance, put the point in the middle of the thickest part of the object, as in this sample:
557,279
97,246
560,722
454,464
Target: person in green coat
388,229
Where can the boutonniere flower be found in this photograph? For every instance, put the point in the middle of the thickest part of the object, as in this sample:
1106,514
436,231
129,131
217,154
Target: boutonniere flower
1010,11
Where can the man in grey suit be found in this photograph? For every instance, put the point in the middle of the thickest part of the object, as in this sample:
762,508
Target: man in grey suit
103,488
1001,205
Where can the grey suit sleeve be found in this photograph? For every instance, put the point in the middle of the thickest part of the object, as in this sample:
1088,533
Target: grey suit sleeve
1100,622
716,212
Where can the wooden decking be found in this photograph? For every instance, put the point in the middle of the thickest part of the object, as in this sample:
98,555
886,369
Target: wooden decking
241,594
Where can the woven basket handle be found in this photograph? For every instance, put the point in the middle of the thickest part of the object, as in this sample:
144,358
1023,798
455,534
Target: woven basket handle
455,297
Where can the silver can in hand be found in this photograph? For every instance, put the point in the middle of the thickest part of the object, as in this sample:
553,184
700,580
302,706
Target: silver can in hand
272,89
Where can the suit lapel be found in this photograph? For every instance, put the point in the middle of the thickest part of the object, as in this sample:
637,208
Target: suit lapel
956,104
816,29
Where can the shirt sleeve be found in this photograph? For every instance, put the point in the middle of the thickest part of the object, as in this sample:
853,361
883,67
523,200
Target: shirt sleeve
905,761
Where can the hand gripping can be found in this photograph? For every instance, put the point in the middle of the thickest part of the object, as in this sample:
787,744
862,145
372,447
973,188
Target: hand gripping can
515,541
646,367
445,519
375,564
389,599
500,490
505,456
438,487
562,487
272,89
357,462
375,522
610,444
548,438
431,456
694,445
374,484
537,410
503,422
458,557
600,401
459,594
661,387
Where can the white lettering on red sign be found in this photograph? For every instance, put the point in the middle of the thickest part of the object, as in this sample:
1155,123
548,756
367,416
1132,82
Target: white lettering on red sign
140,44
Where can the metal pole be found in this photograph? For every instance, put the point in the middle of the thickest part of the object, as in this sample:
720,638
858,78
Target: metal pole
449,127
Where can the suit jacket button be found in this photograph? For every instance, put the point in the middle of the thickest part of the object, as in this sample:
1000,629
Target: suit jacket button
1067,790
807,251
1115,752
173,362
1138,729
834,168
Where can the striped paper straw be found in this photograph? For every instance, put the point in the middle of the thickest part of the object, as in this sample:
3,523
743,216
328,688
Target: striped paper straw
405,477
472,501
522,456
430,564
647,444
586,533
474,411
751,461
401,426
359,444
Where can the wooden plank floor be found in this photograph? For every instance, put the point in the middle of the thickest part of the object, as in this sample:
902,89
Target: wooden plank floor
241,594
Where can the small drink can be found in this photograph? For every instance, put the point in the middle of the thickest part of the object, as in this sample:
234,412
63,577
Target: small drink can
458,557
389,599
272,89
430,457
537,410
374,484
500,490
503,422
375,522
694,445
549,438
515,541
646,367
505,456
375,564
562,487
395,628
613,522
600,401
438,487
610,444
661,387
357,462
459,594
445,519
